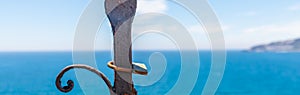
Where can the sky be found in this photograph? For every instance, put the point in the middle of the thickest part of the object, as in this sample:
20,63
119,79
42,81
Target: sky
49,25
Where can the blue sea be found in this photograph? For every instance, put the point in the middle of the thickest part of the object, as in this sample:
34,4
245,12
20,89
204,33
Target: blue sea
247,73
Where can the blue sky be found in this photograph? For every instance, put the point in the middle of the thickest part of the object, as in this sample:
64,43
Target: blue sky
49,25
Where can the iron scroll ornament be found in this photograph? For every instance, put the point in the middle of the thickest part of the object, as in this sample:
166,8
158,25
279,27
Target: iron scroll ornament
121,14
70,83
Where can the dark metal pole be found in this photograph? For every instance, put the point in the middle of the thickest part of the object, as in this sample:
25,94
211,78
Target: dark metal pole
120,14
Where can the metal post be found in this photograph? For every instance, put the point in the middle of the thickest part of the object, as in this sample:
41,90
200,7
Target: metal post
120,14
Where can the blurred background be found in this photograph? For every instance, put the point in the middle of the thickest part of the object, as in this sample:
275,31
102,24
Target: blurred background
261,38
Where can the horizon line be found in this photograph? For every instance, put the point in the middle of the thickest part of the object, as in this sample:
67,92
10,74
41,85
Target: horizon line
111,50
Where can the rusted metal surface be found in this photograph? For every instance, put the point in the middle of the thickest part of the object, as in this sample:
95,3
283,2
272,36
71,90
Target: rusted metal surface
70,83
120,14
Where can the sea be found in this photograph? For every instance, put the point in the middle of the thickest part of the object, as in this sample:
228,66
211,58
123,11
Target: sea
246,73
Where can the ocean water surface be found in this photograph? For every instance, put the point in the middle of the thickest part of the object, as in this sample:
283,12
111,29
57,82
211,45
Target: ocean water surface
34,73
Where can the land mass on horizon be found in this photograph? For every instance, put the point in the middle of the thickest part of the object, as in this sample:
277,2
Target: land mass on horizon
279,46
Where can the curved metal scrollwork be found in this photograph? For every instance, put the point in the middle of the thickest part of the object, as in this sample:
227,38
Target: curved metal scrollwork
70,83
120,14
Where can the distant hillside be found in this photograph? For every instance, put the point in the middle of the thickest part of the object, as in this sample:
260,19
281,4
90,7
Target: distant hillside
281,46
